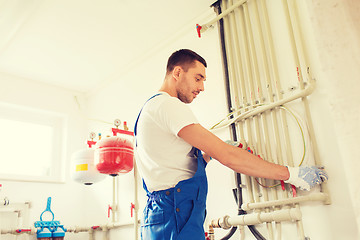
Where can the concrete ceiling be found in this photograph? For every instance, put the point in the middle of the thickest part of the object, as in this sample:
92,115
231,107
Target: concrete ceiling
77,44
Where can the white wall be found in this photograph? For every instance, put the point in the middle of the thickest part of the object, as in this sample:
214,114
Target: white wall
337,34
67,198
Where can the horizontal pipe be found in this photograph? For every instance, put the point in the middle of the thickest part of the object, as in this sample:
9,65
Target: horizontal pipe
312,197
19,231
206,26
227,222
104,227
9,209
305,92
70,229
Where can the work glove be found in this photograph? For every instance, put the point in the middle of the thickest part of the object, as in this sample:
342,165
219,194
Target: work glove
306,177
234,143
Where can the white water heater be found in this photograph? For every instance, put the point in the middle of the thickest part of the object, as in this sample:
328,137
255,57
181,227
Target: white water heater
83,167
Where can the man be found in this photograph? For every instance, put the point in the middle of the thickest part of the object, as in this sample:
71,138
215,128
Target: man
170,142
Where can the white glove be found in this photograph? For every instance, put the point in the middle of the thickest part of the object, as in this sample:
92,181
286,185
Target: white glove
234,143
306,177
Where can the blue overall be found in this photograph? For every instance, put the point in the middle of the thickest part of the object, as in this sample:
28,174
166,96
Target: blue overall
178,212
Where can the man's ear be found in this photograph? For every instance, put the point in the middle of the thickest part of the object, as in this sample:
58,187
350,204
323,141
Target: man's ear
176,72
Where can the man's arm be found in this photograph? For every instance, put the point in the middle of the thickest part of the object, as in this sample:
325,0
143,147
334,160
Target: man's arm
235,158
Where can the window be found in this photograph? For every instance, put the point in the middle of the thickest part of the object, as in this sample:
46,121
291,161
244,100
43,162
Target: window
31,144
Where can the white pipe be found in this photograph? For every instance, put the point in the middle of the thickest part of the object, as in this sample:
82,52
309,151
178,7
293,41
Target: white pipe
253,75
91,234
105,233
305,92
234,87
206,26
114,204
242,232
296,35
281,202
257,218
75,229
136,202
248,89
243,94
7,210
106,226
14,231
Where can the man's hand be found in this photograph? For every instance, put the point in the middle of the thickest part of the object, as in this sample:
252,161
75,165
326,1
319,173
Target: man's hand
306,177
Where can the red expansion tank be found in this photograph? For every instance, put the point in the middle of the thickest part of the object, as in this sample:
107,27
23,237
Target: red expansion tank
114,155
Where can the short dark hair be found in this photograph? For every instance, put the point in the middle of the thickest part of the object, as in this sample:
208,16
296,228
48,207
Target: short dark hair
184,58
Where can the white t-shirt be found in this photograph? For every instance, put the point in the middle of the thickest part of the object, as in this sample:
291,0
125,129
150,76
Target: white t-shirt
162,157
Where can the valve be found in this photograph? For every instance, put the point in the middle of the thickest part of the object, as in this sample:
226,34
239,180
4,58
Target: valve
198,28
132,207
282,185
91,142
109,209
23,230
293,190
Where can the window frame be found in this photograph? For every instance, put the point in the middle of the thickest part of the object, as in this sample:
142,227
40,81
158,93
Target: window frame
58,122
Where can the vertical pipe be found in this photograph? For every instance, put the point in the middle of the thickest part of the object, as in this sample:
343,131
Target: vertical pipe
91,234
248,44
276,76
268,86
114,200
286,143
136,202
241,76
298,43
272,60
279,94
233,85
267,153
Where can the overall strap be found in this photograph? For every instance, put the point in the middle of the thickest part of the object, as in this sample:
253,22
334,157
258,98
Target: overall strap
137,119
135,131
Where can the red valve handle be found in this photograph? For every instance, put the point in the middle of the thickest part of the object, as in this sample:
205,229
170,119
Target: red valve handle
23,230
282,185
109,209
132,207
117,130
90,143
198,28
293,190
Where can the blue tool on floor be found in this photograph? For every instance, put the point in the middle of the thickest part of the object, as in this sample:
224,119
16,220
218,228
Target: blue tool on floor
49,229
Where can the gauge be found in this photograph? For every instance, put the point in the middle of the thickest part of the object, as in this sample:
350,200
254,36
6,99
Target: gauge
117,122
92,135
